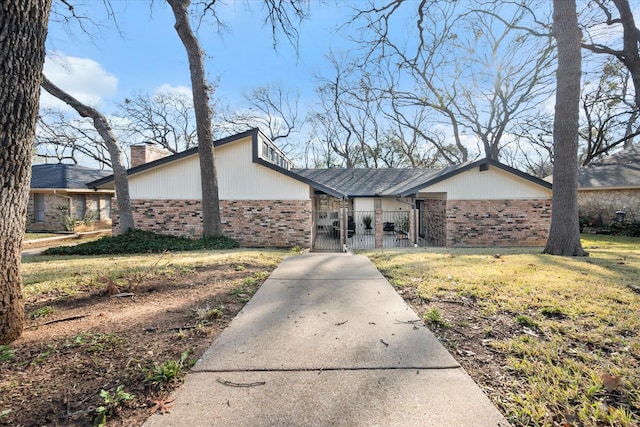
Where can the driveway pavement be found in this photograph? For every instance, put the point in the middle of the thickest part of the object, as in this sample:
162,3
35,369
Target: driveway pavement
326,341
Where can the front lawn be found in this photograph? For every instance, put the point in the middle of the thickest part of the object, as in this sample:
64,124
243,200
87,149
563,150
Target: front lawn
551,340
108,337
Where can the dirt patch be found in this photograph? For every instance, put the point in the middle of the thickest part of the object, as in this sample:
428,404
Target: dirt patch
70,363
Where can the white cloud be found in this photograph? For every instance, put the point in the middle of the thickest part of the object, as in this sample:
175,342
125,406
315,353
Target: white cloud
83,78
174,90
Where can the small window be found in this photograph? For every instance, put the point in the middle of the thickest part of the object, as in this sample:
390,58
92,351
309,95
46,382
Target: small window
107,207
38,207
81,205
265,150
95,206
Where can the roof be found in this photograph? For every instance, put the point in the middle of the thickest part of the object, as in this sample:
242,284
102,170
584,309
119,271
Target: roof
346,182
397,182
169,159
62,175
619,170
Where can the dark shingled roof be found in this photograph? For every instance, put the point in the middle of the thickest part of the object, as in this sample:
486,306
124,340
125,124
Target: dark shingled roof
621,170
395,182
362,182
61,175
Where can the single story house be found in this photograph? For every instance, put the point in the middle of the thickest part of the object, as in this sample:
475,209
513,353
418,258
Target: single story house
609,187
266,201
59,197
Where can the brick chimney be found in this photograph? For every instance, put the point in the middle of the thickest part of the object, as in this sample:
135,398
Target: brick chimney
145,153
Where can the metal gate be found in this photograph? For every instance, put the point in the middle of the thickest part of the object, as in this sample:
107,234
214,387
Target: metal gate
361,226
327,231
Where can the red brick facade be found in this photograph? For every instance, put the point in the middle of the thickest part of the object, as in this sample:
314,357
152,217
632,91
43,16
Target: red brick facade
498,222
253,223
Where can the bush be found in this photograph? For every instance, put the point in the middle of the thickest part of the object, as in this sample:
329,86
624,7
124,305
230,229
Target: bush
140,241
630,229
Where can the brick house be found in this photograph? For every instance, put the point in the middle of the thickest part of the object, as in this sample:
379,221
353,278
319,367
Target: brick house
266,201
609,186
59,194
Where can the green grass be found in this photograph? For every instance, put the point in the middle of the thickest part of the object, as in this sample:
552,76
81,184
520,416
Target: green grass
58,277
35,236
585,311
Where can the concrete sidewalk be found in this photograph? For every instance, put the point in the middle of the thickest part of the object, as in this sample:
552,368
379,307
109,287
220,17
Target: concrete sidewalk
326,341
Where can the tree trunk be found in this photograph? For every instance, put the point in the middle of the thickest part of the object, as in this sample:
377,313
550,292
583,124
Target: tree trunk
23,30
564,235
211,222
115,151
630,40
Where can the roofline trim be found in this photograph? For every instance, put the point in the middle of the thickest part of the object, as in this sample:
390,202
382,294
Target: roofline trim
178,156
465,167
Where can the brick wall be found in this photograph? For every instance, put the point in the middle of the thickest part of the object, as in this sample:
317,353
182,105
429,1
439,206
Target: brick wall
253,223
498,222
57,206
600,206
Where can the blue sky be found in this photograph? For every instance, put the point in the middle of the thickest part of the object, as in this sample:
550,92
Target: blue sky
104,69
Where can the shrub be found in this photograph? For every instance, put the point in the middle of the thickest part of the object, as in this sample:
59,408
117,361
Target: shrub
140,241
630,229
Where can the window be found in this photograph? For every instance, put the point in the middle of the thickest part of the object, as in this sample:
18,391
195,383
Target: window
107,207
95,206
38,207
81,205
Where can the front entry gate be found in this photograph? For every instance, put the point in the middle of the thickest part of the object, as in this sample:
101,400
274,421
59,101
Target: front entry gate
327,231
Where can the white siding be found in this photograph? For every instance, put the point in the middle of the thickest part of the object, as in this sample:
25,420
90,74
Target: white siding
179,180
392,204
363,204
494,184
238,178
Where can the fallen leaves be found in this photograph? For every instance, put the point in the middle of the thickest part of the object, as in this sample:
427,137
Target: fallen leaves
611,382
161,405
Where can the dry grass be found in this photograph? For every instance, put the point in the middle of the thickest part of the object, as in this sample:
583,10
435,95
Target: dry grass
575,355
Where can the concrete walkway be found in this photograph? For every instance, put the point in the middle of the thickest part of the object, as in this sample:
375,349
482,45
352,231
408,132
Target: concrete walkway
326,341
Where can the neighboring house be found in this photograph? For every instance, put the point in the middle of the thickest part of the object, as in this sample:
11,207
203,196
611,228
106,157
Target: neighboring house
59,195
609,186
265,201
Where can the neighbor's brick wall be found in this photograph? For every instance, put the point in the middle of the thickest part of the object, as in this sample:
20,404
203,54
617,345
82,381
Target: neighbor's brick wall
253,223
56,206
498,222
601,205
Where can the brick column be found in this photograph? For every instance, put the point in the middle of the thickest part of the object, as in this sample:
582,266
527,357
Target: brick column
412,226
377,221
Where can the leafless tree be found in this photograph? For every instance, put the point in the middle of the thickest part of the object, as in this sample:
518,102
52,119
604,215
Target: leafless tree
476,71
564,235
272,108
22,49
103,127
609,117
282,16
166,119
61,138
614,14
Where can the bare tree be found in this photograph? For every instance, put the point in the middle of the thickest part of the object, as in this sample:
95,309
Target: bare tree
23,30
272,109
564,235
211,222
62,139
103,127
476,71
610,115
166,119
280,15
629,53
